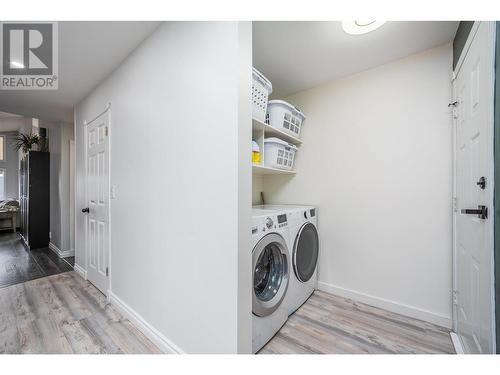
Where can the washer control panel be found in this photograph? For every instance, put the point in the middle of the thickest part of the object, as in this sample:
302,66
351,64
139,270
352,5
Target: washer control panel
282,221
269,223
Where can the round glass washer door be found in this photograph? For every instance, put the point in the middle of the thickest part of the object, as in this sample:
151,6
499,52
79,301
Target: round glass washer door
305,252
270,259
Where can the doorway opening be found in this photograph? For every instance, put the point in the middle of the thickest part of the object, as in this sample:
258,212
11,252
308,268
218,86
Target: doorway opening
34,198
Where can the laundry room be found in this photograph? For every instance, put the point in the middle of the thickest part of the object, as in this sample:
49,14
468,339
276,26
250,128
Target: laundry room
252,187
352,186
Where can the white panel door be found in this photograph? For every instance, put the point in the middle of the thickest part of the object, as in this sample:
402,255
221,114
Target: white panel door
97,210
473,89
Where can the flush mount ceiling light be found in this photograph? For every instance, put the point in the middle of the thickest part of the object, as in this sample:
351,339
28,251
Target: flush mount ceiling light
360,27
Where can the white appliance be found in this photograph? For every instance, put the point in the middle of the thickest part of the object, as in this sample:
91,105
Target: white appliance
271,273
303,244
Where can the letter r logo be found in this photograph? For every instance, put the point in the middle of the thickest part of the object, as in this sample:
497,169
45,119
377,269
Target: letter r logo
27,48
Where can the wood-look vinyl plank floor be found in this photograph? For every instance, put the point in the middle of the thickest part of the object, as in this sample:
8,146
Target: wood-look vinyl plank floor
330,324
64,314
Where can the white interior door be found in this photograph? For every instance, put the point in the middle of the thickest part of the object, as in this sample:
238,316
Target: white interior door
97,210
473,270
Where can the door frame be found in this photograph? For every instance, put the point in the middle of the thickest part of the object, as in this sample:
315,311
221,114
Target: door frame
463,54
72,194
497,193
85,153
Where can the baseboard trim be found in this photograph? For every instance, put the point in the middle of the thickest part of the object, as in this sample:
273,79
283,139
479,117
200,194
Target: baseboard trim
61,253
163,343
457,343
80,271
396,307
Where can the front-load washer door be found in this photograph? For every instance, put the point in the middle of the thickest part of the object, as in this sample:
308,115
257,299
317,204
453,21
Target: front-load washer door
270,274
305,252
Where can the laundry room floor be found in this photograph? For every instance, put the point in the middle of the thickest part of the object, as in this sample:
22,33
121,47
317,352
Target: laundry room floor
334,325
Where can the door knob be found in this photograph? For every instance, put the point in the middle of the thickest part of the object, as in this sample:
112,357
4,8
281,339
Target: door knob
482,183
85,210
481,212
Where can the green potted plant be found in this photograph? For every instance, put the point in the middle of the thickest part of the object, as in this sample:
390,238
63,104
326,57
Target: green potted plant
25,142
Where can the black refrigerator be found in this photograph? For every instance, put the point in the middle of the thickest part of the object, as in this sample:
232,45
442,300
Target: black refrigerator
34,188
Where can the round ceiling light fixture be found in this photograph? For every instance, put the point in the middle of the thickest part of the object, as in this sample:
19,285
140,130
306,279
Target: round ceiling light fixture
360,27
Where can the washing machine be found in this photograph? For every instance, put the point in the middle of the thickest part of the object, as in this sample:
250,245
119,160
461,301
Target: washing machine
303,244
271,265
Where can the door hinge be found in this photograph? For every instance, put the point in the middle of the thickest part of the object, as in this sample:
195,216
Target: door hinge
455,297
455,204
106,131
107,271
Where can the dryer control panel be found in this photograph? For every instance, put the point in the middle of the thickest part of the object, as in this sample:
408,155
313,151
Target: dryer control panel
310,213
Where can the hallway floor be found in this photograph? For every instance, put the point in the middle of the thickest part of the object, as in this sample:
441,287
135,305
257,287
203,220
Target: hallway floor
18,265
64,314
330,324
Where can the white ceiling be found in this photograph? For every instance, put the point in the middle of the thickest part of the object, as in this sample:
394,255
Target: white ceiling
88,52
293,55
296,56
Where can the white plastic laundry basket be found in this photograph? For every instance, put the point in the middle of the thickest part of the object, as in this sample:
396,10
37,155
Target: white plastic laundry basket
261,88
285,117
278,153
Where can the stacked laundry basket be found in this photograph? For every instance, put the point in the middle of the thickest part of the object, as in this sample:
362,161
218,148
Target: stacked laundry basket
276,128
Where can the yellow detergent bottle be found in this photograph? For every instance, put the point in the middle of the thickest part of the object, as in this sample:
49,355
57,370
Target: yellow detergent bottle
255,153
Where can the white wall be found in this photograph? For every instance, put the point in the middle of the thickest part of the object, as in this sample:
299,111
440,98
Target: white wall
244,266
377,161
175,146
59,135
54,134
257,188
67,135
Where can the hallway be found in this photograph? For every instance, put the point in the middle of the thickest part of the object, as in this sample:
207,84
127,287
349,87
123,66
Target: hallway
18,265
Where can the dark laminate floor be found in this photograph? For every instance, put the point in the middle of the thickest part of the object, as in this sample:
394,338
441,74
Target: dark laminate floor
334,325
18,265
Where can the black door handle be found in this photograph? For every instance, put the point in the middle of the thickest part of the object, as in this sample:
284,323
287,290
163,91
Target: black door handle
481,212
482,183
85,210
